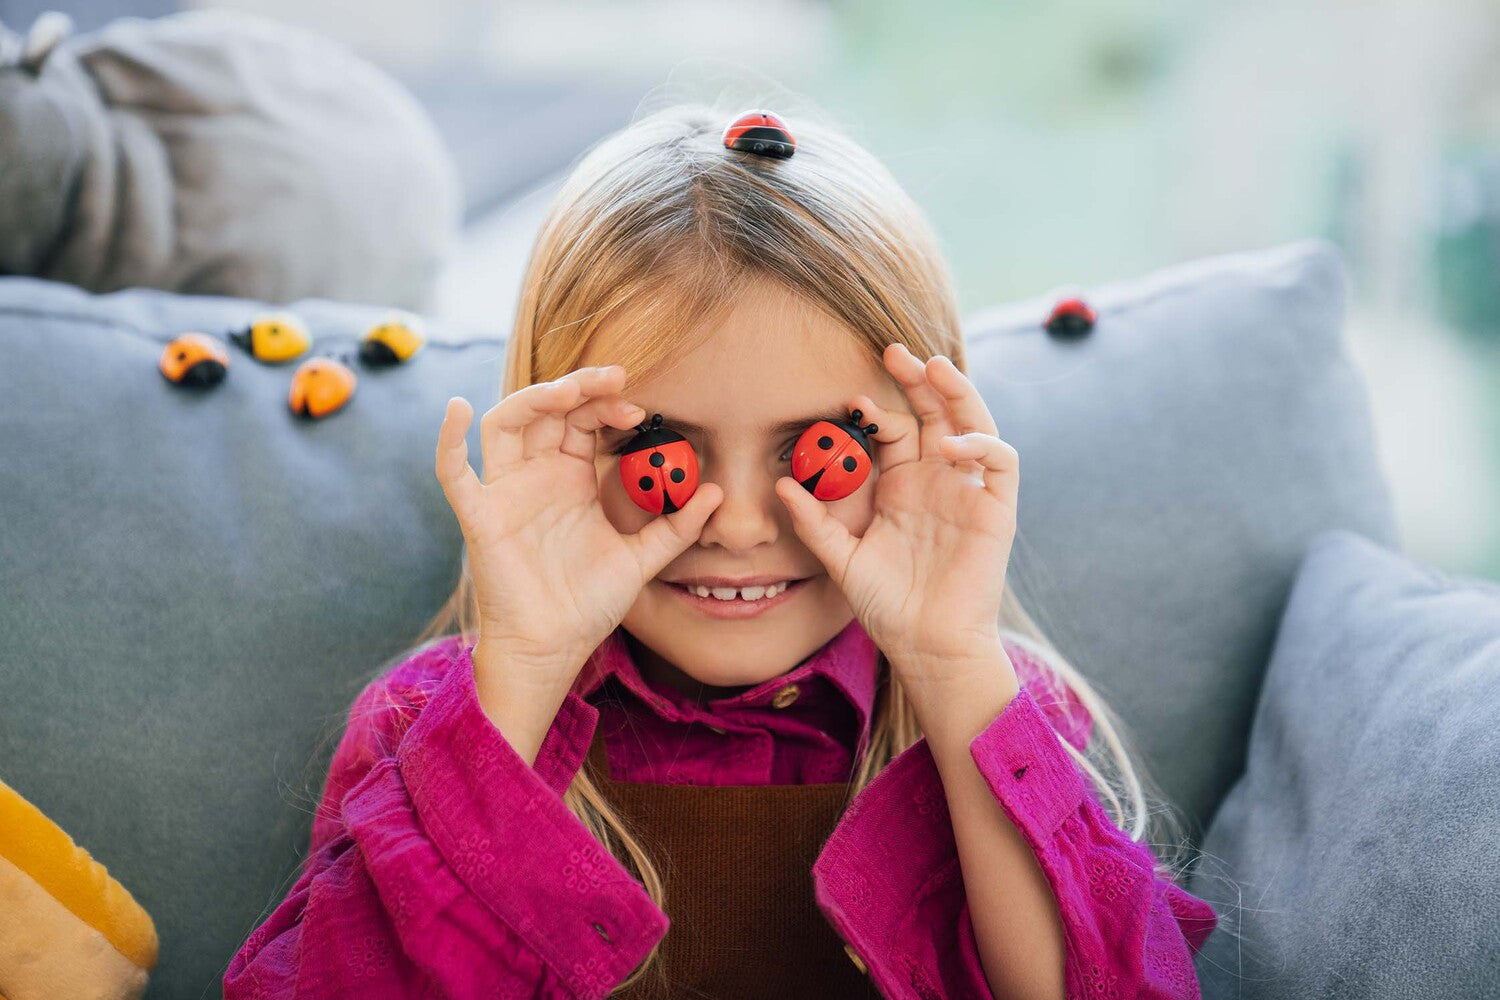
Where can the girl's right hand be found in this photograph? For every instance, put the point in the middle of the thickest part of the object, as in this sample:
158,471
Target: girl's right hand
554,577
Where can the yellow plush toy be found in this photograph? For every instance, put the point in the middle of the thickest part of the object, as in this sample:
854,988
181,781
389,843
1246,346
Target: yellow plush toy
68,931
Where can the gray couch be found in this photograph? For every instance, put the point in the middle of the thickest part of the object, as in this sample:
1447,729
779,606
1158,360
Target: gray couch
197,583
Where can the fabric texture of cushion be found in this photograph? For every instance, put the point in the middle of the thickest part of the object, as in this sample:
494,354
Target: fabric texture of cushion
1359,847
218,152
199,583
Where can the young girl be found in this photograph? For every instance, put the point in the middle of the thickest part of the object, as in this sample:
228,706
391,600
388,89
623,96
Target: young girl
621,775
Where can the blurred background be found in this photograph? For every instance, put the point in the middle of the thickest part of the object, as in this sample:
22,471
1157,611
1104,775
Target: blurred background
1051,145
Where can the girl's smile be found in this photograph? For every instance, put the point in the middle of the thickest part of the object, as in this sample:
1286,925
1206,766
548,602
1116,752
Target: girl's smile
738,606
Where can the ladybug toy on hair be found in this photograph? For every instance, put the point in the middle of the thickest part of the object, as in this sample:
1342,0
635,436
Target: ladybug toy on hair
761,132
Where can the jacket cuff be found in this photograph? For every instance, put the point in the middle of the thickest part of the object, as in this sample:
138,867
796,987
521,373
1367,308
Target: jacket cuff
503,828
1028,770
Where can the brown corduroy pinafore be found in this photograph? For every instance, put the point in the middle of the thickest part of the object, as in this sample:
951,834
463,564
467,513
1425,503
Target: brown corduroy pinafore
737,864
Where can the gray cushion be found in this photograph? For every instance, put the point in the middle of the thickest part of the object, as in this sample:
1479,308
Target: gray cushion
1174,464
1357,855
217,152
198,583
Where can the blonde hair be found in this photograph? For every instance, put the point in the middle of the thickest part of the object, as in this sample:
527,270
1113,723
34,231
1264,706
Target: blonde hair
651,233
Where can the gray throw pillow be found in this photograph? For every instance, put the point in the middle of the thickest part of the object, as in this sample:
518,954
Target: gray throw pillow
1357,855
218,152
1175,461
198,582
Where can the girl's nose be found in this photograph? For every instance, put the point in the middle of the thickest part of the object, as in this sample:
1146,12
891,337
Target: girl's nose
750,514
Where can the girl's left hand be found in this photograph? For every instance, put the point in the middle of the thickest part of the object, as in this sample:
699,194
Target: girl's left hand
925,578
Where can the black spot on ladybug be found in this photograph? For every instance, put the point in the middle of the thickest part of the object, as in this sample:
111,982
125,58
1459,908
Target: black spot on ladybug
657,459
677,475
825,442
850,464
182,355
646,483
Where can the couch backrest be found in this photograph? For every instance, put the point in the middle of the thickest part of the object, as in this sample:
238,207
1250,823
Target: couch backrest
197,583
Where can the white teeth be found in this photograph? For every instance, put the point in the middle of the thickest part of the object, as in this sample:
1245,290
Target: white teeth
742,593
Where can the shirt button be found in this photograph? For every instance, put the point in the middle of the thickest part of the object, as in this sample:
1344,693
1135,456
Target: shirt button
849,950
786,696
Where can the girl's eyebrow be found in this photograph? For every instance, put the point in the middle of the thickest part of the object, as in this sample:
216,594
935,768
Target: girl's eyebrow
777,429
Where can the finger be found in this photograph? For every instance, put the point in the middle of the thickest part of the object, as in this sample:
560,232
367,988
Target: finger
967,412
926,402
823,534
666,537
502,431
503,434
460,485
581,423
896,436
999,463
546,433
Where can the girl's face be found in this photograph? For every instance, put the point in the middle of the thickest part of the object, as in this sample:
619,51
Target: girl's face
775,360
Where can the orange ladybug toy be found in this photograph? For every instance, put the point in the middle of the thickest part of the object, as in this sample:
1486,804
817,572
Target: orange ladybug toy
321,386
194,359
832,459
659,468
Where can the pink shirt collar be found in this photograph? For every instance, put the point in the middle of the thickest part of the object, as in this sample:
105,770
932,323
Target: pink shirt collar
845,664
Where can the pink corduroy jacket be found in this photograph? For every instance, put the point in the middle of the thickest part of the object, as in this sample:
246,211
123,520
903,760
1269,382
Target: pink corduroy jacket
443,866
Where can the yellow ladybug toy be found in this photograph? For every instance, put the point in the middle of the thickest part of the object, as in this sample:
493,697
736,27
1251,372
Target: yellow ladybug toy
195,359
392,341
321,386
274,337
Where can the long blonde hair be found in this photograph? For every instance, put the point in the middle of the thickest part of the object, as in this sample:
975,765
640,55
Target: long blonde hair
651,233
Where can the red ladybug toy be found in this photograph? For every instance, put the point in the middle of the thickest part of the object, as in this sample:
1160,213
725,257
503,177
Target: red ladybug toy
659,468
1071,318
760,132
832,458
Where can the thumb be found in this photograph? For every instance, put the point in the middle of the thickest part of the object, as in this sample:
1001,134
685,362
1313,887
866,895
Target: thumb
819,530
665,538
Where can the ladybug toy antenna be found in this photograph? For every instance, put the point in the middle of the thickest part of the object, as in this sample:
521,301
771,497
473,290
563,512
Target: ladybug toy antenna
857,417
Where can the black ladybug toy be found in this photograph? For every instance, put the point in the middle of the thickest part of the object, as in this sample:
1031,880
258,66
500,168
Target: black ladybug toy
659,468
832,458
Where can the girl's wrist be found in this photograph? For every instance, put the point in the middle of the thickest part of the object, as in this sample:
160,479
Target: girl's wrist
523,710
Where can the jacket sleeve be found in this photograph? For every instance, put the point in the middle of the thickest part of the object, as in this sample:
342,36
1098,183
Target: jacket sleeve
449,867
1129,931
